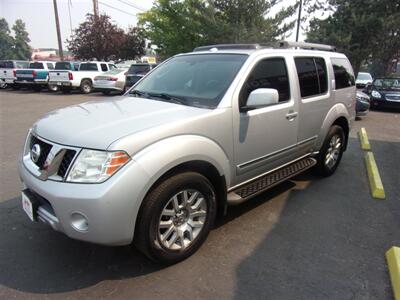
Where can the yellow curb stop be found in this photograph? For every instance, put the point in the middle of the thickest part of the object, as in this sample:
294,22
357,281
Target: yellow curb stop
365,145
393,261
375,181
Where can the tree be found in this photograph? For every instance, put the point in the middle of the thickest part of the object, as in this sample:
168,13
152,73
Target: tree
6,41
97,38
363,29
180,25
134,44
22,50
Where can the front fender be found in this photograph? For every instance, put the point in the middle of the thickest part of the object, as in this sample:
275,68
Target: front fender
337,111
162,156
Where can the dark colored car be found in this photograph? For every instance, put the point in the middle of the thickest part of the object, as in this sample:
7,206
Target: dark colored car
362,104
136,72
384,92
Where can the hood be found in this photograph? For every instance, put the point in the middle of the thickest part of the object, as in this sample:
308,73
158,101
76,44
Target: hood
97,124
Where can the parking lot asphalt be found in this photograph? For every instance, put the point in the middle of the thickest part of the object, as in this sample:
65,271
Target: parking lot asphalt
308,238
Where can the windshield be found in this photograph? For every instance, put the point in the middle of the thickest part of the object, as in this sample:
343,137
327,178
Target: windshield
200,80
139,69
364,76
36,65
387,82
88,67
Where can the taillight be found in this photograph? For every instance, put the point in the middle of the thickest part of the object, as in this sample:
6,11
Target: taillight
70,76
113,78
34,73
14,73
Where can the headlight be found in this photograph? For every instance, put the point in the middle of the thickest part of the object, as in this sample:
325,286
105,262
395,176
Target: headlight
93,166
376,94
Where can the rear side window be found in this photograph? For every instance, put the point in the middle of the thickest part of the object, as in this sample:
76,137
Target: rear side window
36,65
22,64
312,76
344,76
50,66
104,67
269,73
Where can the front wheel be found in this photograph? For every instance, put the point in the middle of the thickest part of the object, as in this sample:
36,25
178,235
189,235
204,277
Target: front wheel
331,152
176,217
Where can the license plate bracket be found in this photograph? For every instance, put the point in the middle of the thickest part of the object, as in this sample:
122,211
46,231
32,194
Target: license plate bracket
29,205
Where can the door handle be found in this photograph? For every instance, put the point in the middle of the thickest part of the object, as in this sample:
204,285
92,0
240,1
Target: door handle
291,115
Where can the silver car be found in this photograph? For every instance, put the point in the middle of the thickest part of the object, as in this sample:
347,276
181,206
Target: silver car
113,80
202,131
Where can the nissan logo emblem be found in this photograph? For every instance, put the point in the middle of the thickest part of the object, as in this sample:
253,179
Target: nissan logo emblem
35,153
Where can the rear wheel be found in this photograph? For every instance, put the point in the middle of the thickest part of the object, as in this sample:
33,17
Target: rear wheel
3,85
86,86
53,88
331,152
176,217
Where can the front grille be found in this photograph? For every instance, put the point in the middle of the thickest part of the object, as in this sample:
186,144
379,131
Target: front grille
392,97
66,161
45,150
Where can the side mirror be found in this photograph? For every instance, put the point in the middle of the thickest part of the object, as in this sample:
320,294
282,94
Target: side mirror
260,98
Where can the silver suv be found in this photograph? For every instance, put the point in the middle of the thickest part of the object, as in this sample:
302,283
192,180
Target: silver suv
201,131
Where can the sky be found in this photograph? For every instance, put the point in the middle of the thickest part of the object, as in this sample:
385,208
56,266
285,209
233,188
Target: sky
38,16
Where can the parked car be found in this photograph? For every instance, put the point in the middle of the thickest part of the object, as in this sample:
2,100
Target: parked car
61,66
205,129
82,79
363,79
362,104
113,80
384,92
136,72
36,76
7,71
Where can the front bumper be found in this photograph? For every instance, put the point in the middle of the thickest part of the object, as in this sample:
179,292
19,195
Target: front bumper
110,207
375,102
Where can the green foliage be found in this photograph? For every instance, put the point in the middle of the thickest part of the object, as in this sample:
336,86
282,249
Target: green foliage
363,29
21,41
98,38
180,25
14,47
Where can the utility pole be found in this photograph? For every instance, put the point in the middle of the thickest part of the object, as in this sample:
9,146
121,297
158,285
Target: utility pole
298,21
60,50
95,9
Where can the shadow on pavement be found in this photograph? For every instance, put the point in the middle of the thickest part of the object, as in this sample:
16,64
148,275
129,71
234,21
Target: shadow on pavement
332,243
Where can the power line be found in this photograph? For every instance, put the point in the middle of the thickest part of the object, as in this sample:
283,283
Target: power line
116,8
132,5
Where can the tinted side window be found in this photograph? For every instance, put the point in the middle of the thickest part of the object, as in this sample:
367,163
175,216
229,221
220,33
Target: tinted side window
322,74
50,66
308,76
269,73
104,67
344,76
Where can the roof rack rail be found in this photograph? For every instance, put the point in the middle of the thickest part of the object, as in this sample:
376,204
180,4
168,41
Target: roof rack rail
304,45
274,45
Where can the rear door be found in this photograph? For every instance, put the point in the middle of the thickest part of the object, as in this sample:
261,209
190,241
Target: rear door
314,99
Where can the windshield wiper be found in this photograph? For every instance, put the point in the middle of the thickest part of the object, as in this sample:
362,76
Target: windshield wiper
168,97
138,93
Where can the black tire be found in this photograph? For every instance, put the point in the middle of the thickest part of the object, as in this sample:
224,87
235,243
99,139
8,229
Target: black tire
106,93
86,86
327,169
146,233
53,88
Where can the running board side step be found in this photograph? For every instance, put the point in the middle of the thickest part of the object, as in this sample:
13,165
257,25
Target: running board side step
269,180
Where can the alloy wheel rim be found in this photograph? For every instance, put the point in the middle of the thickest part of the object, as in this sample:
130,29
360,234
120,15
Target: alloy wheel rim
182,219
333,152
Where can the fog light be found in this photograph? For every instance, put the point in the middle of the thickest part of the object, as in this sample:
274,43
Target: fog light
79,222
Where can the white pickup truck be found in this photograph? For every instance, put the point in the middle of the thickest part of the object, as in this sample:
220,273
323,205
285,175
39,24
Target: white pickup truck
82,79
